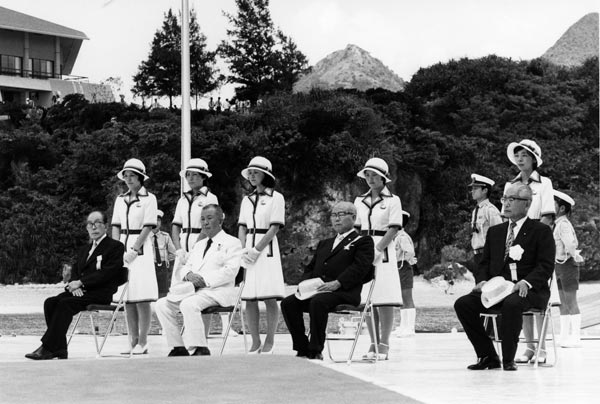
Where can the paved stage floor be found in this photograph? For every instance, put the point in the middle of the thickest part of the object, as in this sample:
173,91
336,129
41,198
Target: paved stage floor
430,368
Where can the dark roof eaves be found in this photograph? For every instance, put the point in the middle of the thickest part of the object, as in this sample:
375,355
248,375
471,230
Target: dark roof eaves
80,35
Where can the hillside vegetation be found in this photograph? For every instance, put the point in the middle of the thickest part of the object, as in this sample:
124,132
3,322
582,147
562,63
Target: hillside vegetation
452,119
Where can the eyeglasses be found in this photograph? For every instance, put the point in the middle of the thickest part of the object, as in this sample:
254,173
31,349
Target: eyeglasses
97,223
511,199
341,215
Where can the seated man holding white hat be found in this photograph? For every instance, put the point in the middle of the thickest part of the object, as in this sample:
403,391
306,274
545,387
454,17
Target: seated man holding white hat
521,251
484,216
206,280
340,266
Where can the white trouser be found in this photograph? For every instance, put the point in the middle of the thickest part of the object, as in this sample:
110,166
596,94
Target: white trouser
191,307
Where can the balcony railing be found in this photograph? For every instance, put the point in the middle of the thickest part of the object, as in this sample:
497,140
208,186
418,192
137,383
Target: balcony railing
39,74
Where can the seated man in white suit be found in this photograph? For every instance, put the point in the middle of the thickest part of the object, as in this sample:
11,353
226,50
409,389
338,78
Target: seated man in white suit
207,279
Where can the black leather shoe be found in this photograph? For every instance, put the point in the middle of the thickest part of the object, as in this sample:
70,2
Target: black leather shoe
487,362
315,355
179,351
302,354
201,351
44,354
509,365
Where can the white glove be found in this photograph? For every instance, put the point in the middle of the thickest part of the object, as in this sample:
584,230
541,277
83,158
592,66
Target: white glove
182,255
250,256
378,257
129,256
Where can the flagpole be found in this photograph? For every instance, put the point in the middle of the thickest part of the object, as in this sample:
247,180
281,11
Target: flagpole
186,143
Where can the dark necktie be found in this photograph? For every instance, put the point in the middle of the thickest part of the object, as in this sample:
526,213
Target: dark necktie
510,239
474,223
157,257
208,244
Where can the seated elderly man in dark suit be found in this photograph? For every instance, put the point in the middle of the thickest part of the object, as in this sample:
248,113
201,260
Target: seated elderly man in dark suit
342,263
97,274
522,251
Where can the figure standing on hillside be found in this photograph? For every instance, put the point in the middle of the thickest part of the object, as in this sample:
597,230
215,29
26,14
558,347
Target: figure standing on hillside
186,229
405,254
218,105
485,214
379,215
262,214
527,156
567,271
211,105
133,219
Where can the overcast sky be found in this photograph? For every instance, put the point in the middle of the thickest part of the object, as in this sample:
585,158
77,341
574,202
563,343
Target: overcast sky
404,34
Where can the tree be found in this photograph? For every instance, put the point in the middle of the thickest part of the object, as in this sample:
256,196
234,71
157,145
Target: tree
160,74
262,59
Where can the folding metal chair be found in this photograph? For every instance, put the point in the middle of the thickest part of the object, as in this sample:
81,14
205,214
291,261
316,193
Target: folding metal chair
364,310
546,315
113,308
240,280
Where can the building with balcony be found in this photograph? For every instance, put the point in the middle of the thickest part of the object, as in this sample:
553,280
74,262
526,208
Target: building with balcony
36,61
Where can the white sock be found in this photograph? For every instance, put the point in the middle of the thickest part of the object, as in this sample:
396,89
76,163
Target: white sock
412,315
565,322
575,338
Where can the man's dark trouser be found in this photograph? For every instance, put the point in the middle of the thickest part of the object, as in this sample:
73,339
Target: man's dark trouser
59,311
469,307
318,308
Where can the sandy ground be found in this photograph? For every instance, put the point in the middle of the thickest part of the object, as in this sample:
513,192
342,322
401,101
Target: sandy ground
30,298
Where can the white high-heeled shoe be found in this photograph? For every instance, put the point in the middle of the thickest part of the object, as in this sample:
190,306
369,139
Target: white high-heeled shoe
256,351
268,352
140,350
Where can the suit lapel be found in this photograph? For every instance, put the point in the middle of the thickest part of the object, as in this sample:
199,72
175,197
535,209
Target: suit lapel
522,232
342,243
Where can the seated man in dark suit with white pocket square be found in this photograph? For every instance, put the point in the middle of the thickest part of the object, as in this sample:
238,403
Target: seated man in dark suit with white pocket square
343,264
97,274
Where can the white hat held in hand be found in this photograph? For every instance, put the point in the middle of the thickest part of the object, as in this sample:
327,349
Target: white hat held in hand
495,290
180,291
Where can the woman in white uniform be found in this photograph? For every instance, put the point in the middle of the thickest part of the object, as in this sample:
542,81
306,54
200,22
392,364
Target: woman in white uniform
379,215
527,156
134,216
186,228
261,215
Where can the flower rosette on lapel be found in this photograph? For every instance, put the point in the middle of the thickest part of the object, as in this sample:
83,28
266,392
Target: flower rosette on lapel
99,262
351,244
515,252
220,255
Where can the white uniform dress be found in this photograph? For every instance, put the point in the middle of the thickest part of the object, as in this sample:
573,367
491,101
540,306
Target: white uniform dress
264,278
187,216
132,217
542,202
374,217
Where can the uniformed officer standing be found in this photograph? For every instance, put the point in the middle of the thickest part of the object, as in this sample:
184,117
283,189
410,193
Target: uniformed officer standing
164,255
484,216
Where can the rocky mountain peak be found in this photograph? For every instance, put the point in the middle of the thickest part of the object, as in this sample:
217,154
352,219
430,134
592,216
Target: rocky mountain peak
351,67
577,44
